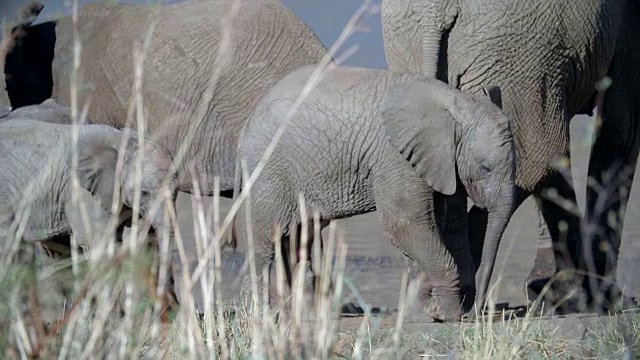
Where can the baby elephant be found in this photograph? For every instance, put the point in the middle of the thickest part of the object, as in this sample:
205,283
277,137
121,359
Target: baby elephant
405,145
37,192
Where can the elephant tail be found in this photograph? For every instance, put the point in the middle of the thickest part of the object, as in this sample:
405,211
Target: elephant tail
27,14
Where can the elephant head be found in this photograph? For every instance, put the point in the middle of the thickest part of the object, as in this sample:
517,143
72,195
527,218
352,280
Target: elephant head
142,169
146,181
155,176
468,142
486,165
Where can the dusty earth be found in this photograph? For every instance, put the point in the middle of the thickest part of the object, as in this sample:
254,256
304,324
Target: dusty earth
375,267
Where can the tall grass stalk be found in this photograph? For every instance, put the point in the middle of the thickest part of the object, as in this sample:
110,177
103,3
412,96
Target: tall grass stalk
110,278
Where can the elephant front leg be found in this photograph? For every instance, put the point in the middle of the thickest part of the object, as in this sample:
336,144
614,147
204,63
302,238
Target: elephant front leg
30,305
406,213
254,227
168,297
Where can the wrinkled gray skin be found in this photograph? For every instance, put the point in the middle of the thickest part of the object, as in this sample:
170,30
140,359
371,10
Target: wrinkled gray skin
4,110
368,139
244,50
36,176
546,56
48,111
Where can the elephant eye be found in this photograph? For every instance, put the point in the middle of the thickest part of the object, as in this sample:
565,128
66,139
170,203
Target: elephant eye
144,193
485,167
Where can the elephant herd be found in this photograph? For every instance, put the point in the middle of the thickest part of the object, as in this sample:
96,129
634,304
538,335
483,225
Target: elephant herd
476,104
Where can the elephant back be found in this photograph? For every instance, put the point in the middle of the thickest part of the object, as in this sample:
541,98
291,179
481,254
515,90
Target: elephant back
193,46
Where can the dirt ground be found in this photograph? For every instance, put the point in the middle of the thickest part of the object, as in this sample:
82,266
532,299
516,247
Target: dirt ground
374,267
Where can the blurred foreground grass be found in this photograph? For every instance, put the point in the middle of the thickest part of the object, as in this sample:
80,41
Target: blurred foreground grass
104,310
95,327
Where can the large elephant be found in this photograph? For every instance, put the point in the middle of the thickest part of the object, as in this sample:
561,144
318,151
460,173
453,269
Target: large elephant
39,204
401,144
207,63
547,57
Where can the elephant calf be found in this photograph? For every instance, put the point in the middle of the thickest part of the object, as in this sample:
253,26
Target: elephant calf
408,146
36,182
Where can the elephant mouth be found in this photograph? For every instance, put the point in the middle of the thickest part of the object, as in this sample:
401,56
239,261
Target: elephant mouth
477,200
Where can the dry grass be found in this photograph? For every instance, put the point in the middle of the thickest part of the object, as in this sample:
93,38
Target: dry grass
87,323
234,330
95,329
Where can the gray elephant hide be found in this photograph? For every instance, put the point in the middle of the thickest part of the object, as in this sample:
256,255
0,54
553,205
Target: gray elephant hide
35,180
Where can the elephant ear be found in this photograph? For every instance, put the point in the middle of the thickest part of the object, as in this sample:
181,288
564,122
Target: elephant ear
494,93
97,170
423,131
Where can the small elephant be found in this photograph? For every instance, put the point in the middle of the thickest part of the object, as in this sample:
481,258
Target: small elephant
401,144
37,195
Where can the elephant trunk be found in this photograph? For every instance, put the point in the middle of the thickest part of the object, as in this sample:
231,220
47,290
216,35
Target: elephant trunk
431,52
163,281
435,29
498,219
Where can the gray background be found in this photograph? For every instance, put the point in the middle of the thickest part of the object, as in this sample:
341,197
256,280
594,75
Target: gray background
379,283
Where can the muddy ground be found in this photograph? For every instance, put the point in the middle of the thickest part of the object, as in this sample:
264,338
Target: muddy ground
375,267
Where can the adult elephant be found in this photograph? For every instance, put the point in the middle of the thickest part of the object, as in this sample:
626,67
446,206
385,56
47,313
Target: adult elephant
206,65
547,57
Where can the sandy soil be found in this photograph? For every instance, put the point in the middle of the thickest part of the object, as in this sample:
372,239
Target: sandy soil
375,267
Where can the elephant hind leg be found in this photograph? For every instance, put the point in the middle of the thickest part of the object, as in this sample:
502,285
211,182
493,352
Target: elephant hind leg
256,225
405,206
563,228
291,255
611,168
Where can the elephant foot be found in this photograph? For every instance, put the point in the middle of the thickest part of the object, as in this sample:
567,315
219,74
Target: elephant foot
443,313
567,294
560,294
609,300
445,308
472,315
